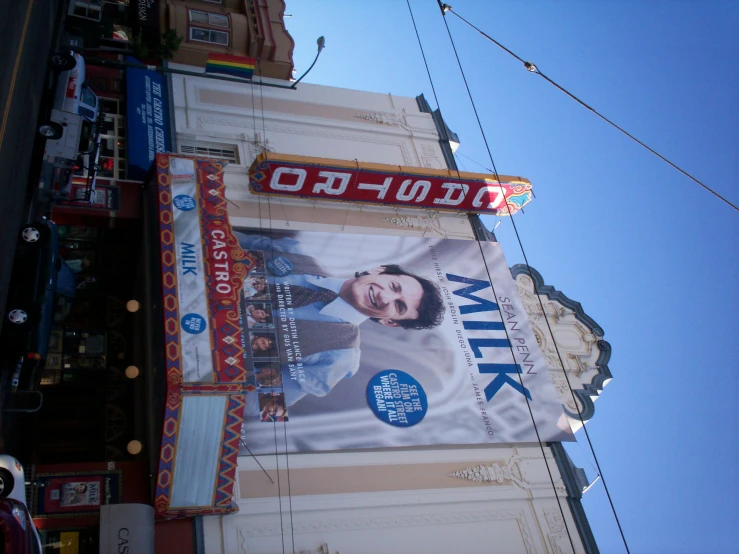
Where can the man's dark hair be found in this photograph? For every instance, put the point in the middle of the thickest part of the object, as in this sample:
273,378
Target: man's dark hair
430,310
273,398
270,352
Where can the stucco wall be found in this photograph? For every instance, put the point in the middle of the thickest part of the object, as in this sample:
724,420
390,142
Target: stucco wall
317,121
423,500
484,500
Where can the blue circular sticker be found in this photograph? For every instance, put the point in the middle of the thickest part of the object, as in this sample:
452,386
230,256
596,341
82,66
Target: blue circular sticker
193,323
397,398
184,202
280,266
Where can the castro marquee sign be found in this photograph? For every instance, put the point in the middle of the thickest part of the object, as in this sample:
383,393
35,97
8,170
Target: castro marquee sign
328,179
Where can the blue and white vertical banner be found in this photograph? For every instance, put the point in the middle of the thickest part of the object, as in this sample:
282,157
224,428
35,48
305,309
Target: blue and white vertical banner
366,341
147,119
196,359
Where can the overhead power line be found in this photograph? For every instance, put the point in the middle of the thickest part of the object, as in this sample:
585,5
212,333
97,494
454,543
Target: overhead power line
444,9
482,253
262,230
474,162
423,55
532,68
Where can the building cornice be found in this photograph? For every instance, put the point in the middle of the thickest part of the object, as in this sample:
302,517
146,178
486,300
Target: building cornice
574,496
595,387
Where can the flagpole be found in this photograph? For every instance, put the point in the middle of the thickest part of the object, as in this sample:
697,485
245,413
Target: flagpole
120,64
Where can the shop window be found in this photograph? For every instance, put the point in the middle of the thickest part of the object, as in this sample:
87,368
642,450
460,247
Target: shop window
110,106
207,18
102,84
112,161
87,9
226,152
209,35
85,540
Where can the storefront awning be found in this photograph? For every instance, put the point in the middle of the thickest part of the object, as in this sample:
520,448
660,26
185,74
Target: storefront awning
147,119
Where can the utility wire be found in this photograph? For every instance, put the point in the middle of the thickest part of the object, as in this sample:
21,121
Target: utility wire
492,287
460,162
284,423
243,443
528,267
261,232
532,68
486,169
474,162
272,247
423,55
528,402
497,178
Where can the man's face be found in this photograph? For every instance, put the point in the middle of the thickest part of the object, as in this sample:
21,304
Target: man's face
80,488
273,410
259,315
269,381
269,374
261,344
389,298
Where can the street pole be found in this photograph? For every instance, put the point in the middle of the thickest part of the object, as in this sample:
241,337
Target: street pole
321,45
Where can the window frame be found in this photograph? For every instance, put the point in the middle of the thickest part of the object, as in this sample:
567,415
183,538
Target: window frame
119,138
88,6
209,16
209,30
210,150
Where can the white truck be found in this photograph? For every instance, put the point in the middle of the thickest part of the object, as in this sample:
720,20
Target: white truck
71,129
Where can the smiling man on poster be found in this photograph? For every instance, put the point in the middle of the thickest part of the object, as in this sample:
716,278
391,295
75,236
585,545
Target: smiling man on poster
325,311
391,341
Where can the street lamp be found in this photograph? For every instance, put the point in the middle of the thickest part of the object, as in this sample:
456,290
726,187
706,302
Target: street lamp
321,43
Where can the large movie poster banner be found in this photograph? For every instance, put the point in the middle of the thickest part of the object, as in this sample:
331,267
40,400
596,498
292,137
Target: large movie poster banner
366,341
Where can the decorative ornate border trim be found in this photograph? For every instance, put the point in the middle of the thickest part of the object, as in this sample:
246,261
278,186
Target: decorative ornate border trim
595,387
229,370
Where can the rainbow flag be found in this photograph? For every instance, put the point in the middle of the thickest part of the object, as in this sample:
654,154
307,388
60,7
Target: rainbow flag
230,65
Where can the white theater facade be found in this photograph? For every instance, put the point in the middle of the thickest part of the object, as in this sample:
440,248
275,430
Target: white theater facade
444,498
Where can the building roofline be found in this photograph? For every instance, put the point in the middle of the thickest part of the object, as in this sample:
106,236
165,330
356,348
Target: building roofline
567,472
595,387
445,134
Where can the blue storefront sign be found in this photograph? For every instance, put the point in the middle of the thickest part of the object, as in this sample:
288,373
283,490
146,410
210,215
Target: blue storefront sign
148,119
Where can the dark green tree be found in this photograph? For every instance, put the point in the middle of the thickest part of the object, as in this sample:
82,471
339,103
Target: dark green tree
169,43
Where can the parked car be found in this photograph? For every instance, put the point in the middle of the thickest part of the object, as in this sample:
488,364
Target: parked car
71,128
39,283
18,534
12,479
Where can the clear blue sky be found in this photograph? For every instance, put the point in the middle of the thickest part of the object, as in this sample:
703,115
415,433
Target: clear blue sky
651,256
